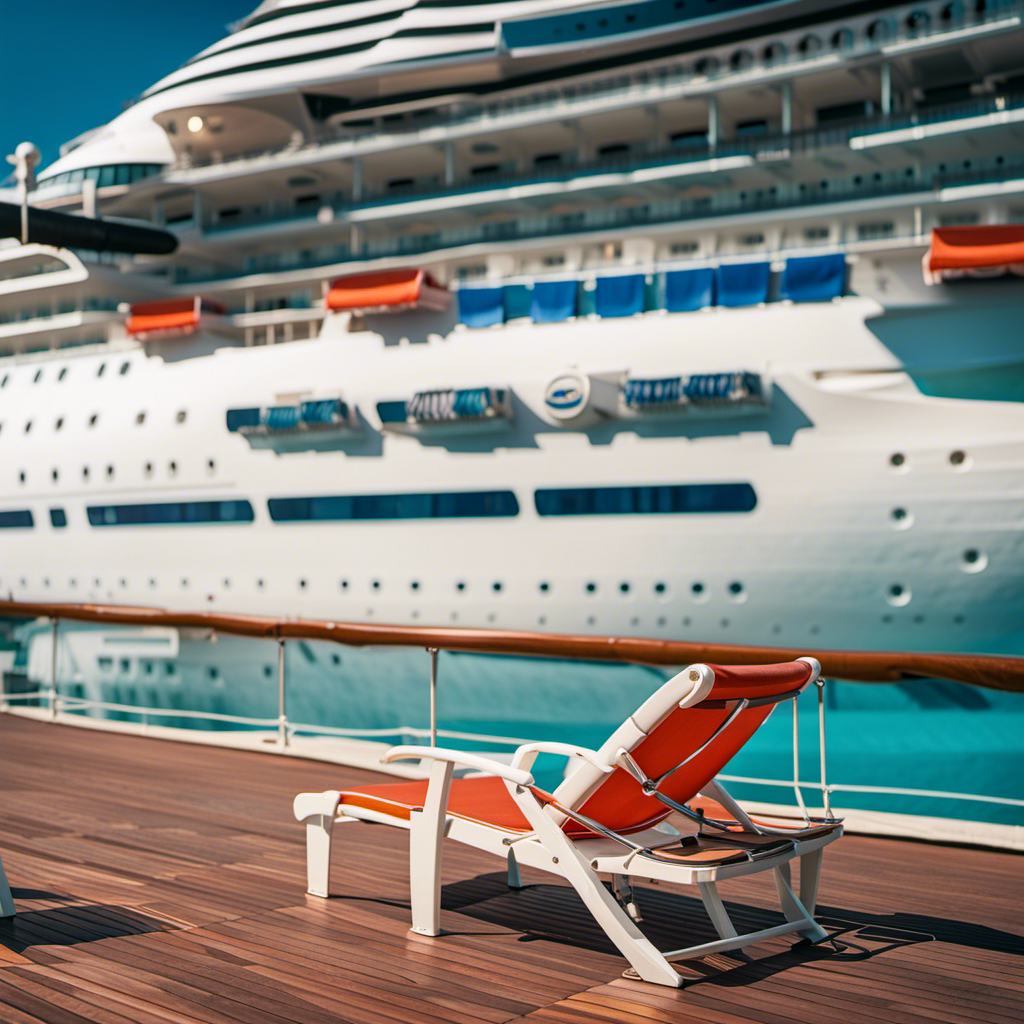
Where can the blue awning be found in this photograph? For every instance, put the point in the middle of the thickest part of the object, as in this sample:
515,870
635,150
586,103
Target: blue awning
480,307
553,301
687,290
814,278
621,295
742,284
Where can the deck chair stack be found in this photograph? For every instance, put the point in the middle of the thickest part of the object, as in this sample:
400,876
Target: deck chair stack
605,823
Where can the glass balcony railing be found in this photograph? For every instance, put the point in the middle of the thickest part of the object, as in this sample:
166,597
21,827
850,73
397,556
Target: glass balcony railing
609,218
758,147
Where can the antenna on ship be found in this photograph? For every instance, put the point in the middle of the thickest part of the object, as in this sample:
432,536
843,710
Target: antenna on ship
24,158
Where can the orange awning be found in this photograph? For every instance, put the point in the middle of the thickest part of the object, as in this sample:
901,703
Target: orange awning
384,291
963,249
170,316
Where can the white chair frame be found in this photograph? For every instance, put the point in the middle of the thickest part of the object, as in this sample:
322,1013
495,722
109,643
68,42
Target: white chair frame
584,863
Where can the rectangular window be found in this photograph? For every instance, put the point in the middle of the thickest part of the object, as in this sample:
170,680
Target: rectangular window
649,500
243,418
58,518
171,513
342,507
16,519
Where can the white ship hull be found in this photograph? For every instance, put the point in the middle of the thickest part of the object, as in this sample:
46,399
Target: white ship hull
843,547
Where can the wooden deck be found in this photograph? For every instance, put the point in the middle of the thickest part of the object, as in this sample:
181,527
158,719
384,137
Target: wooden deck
161,882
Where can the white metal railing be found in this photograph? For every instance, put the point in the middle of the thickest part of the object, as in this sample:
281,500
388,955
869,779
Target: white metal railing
66,708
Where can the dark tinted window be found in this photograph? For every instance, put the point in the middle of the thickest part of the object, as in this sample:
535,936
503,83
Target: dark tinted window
16,518
667,498
391,412
170,513
58,518
243,418
457,505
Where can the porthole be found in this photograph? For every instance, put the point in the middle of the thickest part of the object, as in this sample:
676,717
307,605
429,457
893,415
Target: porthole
959,460
958,620
63,373
211,466
591,588
343,584
737,592
901,519
660,588
21,476
72,582
897,460
724,623
54,474
140,418
152,581
184,581
699,591
148,468
542,620
181,416
85,472
335,659
591,620
497,586
662,620
94,419
460,586
100,369
898,595
110,472
491,617
624,588
686,621
973,560
544,587
125,367
3,383
59,423
46,581
122,582
302,584
259,584
28,426
375,584
172,468
414,585
39,375
226,583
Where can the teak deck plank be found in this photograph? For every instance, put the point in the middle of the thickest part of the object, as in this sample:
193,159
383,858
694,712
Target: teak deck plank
163,883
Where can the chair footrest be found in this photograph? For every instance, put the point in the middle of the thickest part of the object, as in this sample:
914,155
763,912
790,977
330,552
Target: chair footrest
705,850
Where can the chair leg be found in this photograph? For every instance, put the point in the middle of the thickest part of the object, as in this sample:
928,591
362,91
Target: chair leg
810,873
794,909
317,811
426,835
515,878
713,904
6,900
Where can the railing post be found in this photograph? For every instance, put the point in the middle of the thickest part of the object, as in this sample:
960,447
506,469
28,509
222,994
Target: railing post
282,718
827,803
432,651
796,761
4,706
53,670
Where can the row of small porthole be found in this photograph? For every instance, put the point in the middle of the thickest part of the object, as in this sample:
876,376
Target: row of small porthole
140,418
148,469
957,459
63,372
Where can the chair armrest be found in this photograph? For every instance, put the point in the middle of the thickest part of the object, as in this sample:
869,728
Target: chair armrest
523,754
482,764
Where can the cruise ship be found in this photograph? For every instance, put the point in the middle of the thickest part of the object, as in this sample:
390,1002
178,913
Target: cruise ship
693,319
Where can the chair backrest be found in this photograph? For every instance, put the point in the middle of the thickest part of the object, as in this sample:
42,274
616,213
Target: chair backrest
673,725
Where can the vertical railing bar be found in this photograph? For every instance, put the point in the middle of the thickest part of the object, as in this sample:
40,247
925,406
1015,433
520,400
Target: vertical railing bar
282,718
796,762
821,747
53,669
432,651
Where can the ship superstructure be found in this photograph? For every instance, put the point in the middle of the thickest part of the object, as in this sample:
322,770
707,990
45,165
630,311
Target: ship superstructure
587,317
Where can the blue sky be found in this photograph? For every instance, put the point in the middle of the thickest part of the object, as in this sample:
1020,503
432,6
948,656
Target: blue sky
69,65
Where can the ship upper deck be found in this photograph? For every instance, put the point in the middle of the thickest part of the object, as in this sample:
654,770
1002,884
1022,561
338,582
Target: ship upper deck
160,882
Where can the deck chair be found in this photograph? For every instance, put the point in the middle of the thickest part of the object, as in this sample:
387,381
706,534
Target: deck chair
6,900
606,820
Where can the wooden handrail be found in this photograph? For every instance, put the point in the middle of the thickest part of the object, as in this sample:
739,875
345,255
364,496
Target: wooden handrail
995,672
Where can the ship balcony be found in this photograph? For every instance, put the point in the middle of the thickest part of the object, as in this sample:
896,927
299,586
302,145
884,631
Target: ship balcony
645,171
445,411
706,76
768,204
57,329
